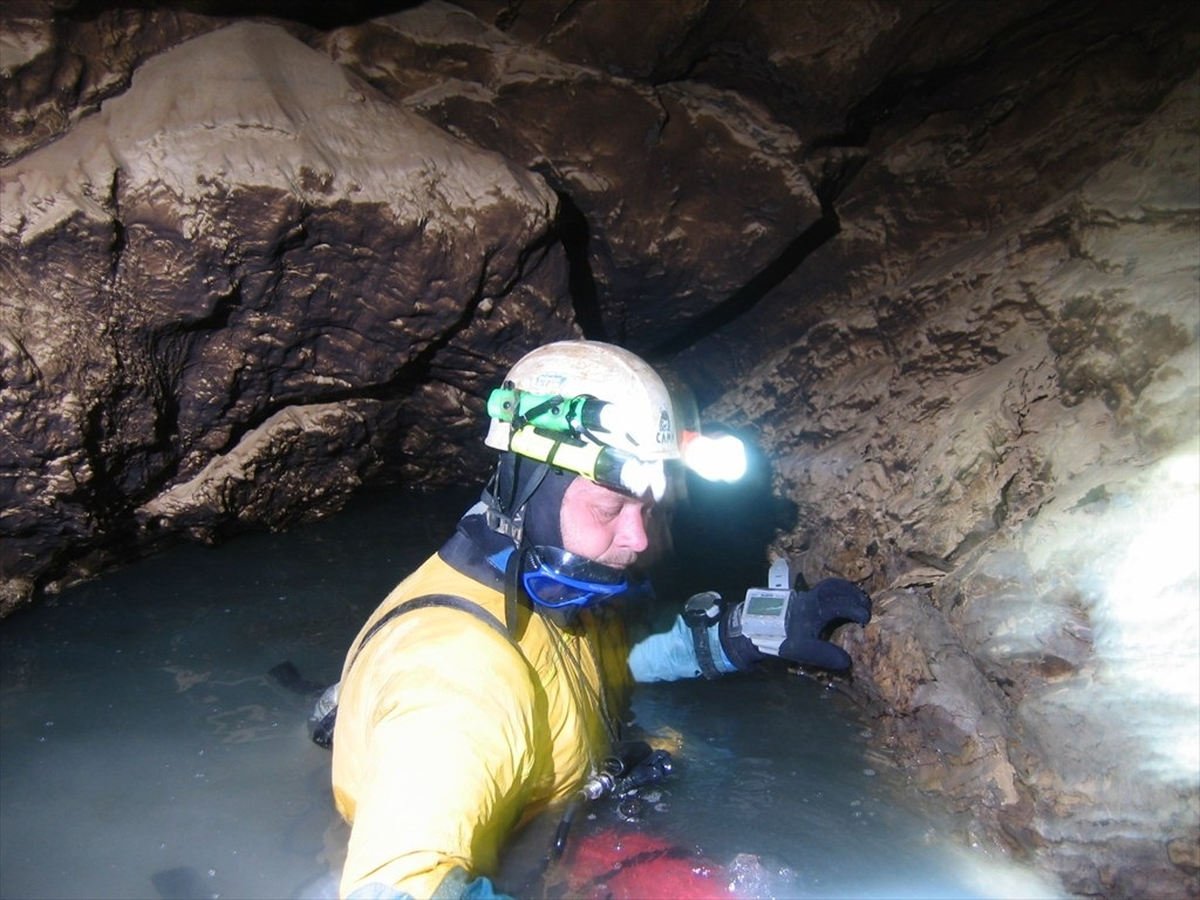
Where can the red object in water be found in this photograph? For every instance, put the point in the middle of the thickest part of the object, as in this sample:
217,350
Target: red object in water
632,866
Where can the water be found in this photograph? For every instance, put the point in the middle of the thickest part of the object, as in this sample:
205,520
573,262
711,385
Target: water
145,752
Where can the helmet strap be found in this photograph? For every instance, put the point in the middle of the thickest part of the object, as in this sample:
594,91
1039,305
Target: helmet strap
506,498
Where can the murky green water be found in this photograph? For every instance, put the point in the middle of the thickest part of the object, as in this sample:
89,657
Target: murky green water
144,751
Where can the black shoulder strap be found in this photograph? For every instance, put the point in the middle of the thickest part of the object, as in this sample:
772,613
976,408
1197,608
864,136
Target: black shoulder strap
324,717
424,602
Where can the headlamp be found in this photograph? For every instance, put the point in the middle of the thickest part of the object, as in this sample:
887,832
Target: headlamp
562,431
568,432
580,415
596,462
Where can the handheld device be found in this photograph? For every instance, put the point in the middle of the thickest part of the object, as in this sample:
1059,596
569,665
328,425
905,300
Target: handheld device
762,617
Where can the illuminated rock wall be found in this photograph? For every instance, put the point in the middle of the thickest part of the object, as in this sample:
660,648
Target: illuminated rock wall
1004,443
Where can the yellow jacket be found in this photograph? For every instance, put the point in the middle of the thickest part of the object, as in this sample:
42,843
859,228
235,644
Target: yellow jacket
447,736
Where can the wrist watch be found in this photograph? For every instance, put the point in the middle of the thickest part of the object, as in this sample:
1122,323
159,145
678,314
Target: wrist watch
701,612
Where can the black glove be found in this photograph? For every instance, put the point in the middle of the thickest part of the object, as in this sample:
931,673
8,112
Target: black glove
812,615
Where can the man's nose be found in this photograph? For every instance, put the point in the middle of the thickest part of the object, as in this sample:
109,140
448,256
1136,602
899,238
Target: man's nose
631,534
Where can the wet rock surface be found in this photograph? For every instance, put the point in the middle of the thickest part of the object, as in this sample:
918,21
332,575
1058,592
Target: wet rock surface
939,263
713,169
226,287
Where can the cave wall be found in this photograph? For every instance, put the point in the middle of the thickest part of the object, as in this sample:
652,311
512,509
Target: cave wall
226,287
938,260
1003,442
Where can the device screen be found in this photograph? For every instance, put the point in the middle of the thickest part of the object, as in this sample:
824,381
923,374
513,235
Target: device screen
765,605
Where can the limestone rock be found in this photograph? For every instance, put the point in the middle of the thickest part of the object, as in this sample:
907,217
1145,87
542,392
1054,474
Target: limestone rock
1006,445
56,69
678,193
245,232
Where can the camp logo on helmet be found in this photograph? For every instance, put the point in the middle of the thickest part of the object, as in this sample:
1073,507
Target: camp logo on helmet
666,432
547,383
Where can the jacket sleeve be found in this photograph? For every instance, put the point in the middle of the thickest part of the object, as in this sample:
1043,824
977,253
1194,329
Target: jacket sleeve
445,724
671,655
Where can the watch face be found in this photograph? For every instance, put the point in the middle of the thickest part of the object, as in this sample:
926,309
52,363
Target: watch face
705,603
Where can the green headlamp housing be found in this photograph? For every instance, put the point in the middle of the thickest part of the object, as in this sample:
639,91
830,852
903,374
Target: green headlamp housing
571,415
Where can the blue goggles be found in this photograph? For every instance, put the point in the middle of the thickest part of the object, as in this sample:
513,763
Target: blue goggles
557,579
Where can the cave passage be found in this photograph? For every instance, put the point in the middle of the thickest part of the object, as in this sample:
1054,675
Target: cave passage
146,752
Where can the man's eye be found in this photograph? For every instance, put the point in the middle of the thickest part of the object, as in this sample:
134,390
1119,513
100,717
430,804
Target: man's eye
608,512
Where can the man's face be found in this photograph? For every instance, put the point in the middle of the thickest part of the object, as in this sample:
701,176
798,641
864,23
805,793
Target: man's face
603,525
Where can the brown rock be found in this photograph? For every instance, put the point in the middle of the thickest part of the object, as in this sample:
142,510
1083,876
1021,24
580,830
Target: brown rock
56,69
245,233
652,239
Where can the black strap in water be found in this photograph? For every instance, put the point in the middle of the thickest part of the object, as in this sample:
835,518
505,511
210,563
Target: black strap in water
322,731
622,866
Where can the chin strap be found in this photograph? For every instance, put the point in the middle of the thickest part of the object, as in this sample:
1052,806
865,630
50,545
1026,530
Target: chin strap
506,515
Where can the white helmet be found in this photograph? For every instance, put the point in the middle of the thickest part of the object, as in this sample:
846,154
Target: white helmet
591,408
